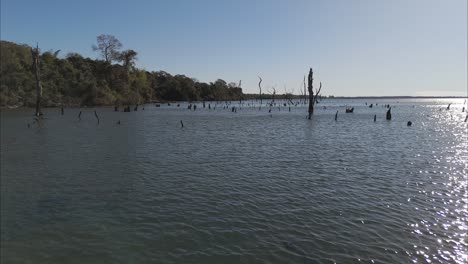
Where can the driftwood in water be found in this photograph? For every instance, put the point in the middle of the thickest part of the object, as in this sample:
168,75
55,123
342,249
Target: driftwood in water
389,114
448,107
312,97
181,124
35,68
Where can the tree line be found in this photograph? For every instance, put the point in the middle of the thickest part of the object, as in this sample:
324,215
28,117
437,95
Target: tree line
74,80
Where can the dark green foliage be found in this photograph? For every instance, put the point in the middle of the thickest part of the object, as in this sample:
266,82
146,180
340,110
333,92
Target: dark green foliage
16,78
74,80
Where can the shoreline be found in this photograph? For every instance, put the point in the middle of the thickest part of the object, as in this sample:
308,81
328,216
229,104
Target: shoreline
13,107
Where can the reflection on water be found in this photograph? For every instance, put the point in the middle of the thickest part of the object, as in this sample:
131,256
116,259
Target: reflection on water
244,187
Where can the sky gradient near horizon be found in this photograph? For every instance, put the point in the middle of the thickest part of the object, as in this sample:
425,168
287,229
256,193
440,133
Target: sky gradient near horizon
356,47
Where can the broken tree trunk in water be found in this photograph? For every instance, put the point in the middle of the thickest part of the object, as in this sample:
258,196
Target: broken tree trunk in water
35,68
389,114
312,97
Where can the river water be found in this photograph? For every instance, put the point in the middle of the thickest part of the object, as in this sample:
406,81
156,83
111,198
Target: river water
237,187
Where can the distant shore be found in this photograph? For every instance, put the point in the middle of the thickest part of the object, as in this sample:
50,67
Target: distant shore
397,97
250,96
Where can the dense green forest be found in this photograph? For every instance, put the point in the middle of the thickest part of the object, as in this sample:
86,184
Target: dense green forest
73,80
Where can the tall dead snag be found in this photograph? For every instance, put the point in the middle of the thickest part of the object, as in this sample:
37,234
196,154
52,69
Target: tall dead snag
305,91
239,86
35,68
312,97
260,88
260,94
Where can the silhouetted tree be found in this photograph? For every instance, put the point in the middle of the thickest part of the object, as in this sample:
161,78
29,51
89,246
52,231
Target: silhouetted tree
109,47
312,97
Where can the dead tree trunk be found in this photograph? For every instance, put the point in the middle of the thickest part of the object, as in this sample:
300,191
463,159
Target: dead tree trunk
312,96
35,68
305,91
240,98
260,88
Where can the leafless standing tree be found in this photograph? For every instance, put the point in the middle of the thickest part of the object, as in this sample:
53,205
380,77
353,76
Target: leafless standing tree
260,88
239,86
312,97
35,67
109,47
305,90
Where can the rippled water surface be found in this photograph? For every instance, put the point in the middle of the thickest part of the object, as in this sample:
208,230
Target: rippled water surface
244,187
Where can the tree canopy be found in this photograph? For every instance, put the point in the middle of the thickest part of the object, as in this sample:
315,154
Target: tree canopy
109,47
75,80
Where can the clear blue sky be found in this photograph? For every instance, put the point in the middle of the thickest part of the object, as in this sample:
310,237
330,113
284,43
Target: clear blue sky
356,47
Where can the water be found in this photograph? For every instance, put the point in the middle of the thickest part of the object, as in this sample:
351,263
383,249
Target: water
245,187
